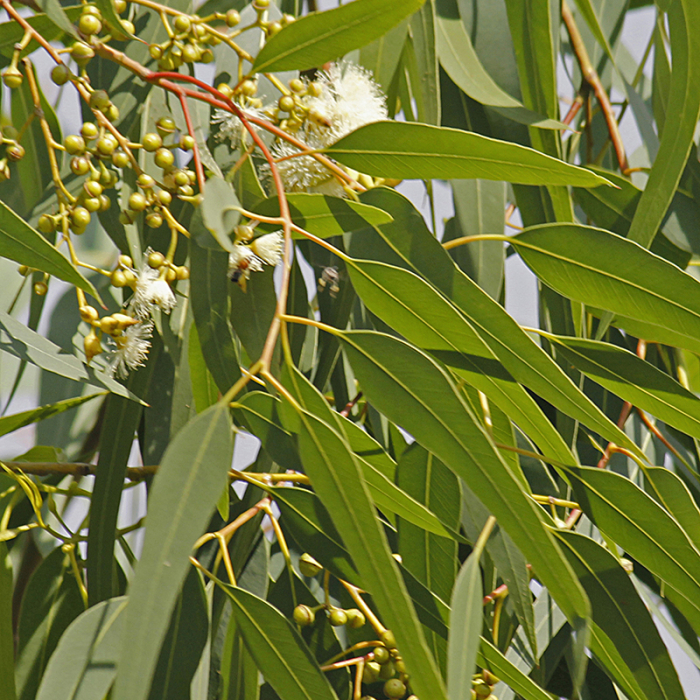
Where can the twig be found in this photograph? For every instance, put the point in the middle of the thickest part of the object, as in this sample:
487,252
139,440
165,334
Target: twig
591,77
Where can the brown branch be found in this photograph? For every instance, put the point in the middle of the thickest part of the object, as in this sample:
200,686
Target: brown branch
591,77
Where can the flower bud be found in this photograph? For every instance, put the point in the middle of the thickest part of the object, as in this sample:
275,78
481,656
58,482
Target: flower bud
304,615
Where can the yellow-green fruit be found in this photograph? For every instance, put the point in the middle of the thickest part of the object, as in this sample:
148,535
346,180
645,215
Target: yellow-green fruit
388,670
233,17
156,260
128,26
80,216
370,673
304,615
490,678
120,6
207,56
338,617
89,131
89,24
165,125
170,275
126,261
107,145
482,690
274,28
118,278
91,10
154,220
355,618
388,639
74,144
105,202
88,313
249,88
137,202
23,270
182,272
296,85
12,77
40,288
225,90
181,178
394,689
94,189
307,564
99,99
186,142
152,141
60,74
164,158
80,165
155,51
145,181
81,53
92,204
164,197
182,23
112,113
92,346
15,152
46,224
108,324
191,53
286,103
120,159
381,655
185,191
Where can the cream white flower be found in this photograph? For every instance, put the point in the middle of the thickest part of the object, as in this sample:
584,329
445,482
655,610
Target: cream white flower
150,291
269,247
231,127
132,348
242,261
349,99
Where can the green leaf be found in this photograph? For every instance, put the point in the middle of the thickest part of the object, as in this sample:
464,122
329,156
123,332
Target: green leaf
50,603
337,480
583,263
425,78
34,348
12,32
190,479
278,650
324,36
204,390
417,394
412,245
404,150
622,616
462,64
631,378
323,215
674,496
57,15
491,657
465,623
120,422
383,56
21,243
209,290
219,211
588,12
112,19
7,642
9,424
85,661
184,642
684,105
311,526
644,529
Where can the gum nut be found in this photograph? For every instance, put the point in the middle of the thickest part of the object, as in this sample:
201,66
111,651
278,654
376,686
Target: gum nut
371,672
381,655
338,617
356,619
60,74
482,690
40,288
388,639
118,278
309,566
89,131
388,670
88,314
304,615
394,689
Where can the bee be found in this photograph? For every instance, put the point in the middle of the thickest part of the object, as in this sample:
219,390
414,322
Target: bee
239,275
330,277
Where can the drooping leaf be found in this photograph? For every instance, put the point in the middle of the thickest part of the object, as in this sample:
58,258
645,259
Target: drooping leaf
406,150
582,263
21,243
85,661
277,648
323,215
7,644
191,477
415,393
324,36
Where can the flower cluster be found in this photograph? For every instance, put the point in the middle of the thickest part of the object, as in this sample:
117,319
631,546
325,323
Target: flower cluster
133,340
348,99
247,258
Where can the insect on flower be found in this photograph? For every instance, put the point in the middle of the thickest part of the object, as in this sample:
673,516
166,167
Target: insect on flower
330,277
